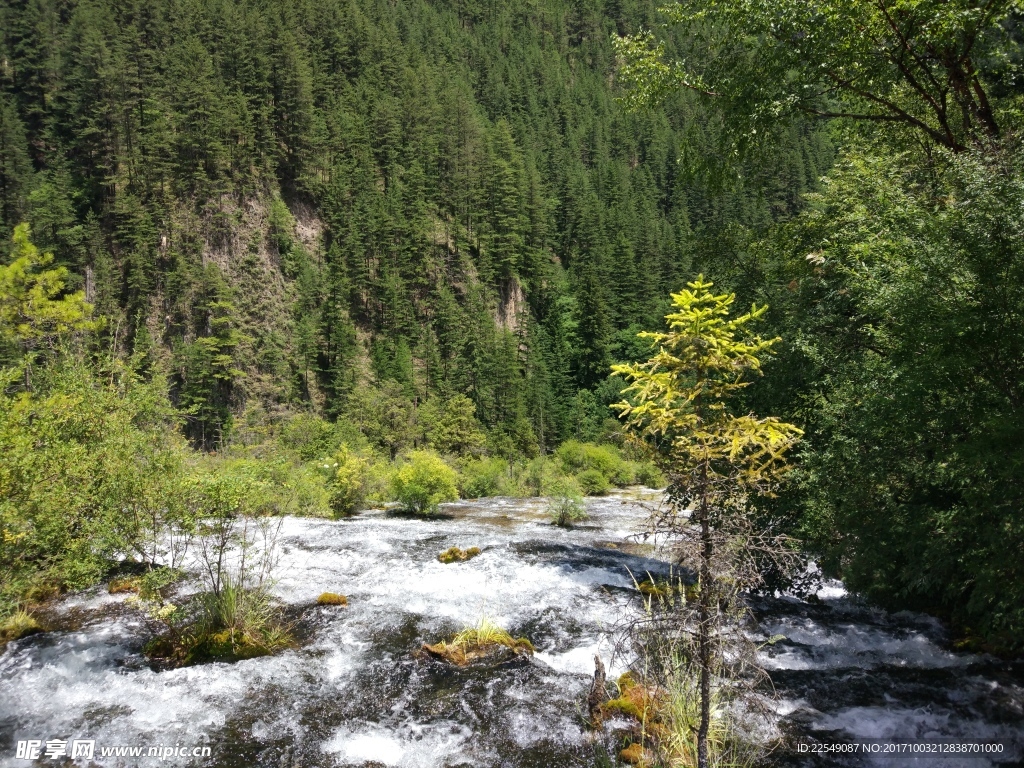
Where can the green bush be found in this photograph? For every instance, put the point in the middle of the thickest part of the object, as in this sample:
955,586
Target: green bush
625,473
309,493
576,457
566,506
593,483
379,474
541,476
424,481
483,477
89,471
648,475
348,481
310,436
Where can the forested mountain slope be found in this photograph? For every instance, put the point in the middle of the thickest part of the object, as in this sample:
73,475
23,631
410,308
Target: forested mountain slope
279,203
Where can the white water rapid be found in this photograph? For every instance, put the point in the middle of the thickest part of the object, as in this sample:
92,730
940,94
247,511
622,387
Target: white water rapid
352,694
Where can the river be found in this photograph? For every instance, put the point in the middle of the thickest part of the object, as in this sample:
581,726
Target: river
352,694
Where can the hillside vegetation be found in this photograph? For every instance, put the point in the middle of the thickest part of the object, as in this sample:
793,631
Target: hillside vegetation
350,252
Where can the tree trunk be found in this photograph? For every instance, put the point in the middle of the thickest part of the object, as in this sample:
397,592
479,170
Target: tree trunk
598,694
704,626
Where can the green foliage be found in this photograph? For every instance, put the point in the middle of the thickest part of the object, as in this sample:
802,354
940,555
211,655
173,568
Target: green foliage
485,476
575,457
451,425
348,481
91,470
34,309
649,476
593,482
310,436
914,65
206,372
677,401
385,416
566,506
907,370
423,482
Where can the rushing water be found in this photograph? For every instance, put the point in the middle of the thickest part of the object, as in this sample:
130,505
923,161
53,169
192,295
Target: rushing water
352,694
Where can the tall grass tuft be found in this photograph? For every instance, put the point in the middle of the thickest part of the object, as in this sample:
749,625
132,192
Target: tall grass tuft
479,642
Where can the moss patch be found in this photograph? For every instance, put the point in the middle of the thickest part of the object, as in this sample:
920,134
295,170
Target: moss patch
661,590
456,555
331,598
120,586
638,702
40,593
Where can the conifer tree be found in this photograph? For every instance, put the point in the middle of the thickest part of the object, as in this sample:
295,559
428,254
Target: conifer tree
35,312
679,402
15,167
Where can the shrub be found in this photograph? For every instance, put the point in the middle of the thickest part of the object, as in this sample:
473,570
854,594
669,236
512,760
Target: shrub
625,473
566,506
88,473
648,475
310,436
593,482
348,482
483,477
542,477
309,495
424,481
379,475
576,457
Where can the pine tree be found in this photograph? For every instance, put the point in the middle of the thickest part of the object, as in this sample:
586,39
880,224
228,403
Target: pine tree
15,167
716,461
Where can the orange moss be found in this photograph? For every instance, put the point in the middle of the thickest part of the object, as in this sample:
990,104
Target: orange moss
635,754
640,702
331,598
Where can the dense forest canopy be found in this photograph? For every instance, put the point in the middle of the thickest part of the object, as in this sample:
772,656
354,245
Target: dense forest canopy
272,196
440,223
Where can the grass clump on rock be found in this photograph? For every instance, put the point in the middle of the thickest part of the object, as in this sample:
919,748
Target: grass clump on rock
486,642
456,555
228,625
19,624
